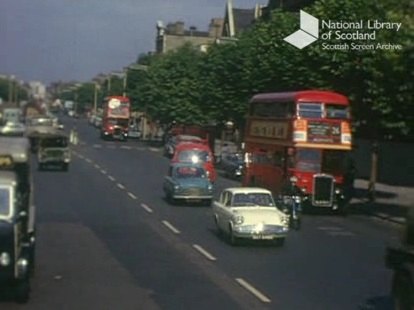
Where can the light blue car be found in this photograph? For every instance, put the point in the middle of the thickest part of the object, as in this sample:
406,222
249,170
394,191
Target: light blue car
187,182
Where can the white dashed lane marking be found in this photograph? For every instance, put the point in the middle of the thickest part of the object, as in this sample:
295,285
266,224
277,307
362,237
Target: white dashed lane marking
204,252
132,196
171,227
111,178
146,208
253,290
120,186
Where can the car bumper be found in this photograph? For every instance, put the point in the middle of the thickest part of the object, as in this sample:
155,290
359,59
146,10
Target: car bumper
189,197
259,232
53,160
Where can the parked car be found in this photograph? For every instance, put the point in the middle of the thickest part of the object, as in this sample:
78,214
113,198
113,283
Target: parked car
17,218
197,153
13,129
249,213
232,164
134,132
187,182
172,142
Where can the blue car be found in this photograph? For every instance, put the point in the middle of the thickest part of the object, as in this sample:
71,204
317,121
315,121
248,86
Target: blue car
187,182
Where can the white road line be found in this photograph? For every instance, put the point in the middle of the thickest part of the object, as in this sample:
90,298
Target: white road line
120,186
252,290
153,149
97,166
81,156
111,178
132,195
125,147
103,171
171,227
146,208
97,146
111,147
140,148
88,160
204,252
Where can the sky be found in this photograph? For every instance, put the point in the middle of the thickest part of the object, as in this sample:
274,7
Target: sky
66,40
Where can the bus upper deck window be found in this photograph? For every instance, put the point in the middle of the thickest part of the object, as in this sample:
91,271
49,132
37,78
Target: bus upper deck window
310,110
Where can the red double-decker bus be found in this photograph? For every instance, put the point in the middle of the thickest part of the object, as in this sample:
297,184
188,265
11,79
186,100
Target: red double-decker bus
305,135
116,115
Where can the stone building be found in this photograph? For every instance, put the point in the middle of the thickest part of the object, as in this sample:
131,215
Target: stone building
175,35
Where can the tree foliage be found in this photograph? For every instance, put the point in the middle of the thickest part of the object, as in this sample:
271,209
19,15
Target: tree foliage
189,86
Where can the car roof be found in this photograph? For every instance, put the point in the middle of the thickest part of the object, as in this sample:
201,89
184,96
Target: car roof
245,189
188,137
7,178
192,146
17,147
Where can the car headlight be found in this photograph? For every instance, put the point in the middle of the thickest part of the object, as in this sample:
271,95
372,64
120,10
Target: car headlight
337,191
176,187
4,259
238,219
210,187
285,220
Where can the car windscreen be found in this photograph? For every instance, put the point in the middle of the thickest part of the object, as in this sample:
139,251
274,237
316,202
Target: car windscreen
55,142
189,172
253,199
5,200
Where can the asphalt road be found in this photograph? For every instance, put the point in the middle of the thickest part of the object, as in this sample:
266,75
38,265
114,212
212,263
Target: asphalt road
107,239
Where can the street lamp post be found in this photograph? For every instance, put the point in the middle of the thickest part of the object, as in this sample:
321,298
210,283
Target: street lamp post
11,86
95,98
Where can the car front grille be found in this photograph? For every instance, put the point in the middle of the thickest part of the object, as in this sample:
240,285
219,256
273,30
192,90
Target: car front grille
193,191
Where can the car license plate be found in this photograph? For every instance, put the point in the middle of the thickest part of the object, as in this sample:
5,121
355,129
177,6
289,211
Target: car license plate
261,237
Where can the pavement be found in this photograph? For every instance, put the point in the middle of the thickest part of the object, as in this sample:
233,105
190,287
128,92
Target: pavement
391,202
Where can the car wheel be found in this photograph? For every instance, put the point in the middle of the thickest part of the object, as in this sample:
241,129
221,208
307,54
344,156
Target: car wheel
232,238
22,291
170,199
65,167
219,232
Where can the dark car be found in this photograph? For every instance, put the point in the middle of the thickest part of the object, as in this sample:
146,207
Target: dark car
17,224
232,164
53,150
